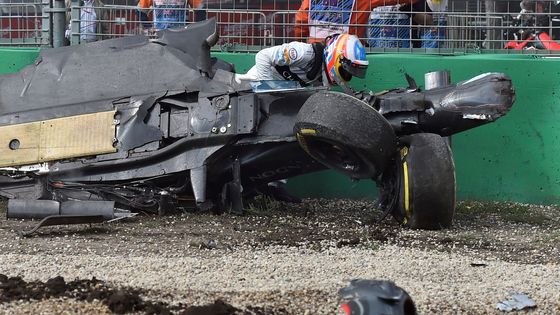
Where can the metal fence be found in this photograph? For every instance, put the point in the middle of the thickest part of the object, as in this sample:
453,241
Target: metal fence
23,24
249,25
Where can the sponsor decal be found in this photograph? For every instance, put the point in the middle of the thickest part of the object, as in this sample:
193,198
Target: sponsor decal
292,53
289,169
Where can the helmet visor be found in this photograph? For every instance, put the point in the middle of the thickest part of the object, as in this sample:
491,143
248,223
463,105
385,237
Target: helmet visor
353,68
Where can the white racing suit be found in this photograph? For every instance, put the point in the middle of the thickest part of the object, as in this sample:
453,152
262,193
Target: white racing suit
271,64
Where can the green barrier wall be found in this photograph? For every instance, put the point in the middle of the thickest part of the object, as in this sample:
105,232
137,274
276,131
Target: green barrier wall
11,60
512,159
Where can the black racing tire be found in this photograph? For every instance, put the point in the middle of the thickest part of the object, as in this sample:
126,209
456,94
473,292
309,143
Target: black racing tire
426,177
345,134
366,297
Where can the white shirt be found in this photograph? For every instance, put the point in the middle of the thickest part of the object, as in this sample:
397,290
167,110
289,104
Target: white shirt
330,17
88,23
298,56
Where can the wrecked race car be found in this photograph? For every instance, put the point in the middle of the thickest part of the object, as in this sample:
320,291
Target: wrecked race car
134,123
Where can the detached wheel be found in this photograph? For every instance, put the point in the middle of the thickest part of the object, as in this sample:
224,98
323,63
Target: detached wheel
422,183
345,134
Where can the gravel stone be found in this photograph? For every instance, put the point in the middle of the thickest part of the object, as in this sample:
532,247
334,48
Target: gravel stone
293,259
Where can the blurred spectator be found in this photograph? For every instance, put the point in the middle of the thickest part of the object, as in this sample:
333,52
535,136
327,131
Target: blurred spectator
390,26
430,16
435,36
170,13
145,18
317,19
533,13
200,13
20,7
94,20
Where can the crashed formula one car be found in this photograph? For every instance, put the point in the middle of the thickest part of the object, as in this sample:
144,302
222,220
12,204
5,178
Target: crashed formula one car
143,124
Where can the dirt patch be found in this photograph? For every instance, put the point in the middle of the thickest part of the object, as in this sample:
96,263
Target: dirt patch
504,230
118,300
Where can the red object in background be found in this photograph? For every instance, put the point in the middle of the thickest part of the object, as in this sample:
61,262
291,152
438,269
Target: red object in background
518,45
124,22
544,40
539,41
20,27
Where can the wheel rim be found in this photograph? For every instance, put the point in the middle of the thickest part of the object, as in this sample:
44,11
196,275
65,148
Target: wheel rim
335,155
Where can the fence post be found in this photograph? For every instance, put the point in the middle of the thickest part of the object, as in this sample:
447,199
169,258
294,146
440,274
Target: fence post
58,23
75,27
45,22
492,34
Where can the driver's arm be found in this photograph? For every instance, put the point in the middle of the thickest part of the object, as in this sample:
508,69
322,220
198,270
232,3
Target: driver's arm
290,54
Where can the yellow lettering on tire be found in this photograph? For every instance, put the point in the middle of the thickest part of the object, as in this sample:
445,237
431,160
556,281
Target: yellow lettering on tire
406,191
308,132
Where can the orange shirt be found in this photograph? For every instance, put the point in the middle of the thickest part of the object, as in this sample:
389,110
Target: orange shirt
195,3
361,10
148,3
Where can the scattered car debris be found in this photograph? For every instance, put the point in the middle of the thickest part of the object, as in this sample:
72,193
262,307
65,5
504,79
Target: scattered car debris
40,209
207,244
63,219
479,264
519,301
52,212
351,242
373,297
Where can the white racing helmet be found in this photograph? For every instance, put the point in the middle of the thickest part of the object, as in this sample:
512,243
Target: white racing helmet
345,56
437,5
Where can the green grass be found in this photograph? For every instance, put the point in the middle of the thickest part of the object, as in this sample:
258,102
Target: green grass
152,222
264,205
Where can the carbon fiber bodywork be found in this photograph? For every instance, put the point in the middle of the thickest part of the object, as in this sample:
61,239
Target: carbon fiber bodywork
184,127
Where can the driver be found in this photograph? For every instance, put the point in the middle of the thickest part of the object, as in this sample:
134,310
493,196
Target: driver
332,62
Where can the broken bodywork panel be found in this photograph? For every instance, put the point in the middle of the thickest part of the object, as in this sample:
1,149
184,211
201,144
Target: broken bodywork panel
148,124
448,109
57,138
159,111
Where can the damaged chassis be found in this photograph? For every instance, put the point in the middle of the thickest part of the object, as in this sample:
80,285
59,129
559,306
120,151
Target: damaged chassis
148,124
